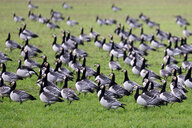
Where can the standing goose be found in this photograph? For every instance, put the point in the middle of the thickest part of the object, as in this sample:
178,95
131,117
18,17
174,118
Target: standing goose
180,76
172,59
30,54
42,19
74,64
17,18
9,76
128,84
56,47
48,98
186,64
52,25
106,46
68,93
145,47
155,43
116,88
114,65
29,62
32,16
65,56
83,36
115,51
169,67
66,6
56,19
19,95
143,17
188,79
100,21
79,52
4,58
67,45
168,96
145,37
161,34
89,71
150,23
55,13
103,79
186,32
127,59
163,72
11,44
115,8
31,48
71,22
4,89
136,69
109,102
93,34
99,43
31,6
28,32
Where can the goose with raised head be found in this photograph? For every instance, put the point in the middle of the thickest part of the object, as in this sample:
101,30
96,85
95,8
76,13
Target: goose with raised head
186,32
84,36
71,22
31,6
161,34
29,32
74,64
66,6
32,16
4,89
56,47
115,8
99,43
29,62
155,43
163,72
186,64
151,24
55,13
89,71
145,47
79,52
169,67
31,48
42,19
114,65
188,79
172,59
92,33
52,25
17,18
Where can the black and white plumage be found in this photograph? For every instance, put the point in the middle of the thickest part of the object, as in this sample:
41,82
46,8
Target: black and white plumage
145,37
79,52
30,54
161,34
186,32
144,46
42,19
11,44
100,21
29,32
32,16
71,22
52,25
24,71
115,8
55,13
17,18
163,72
66,6
188,79
84,36
99,43
4,58
116,51
31,48
67,93
142,17
56,47
29,62
186,64
170,66
114,65
150,23
103,79
89,71
92,33
155,43
56,19
4,89
172,59
31,6
109,102
135,69
9,76
19,95
73,64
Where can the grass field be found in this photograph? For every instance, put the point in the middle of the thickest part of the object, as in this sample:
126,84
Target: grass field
88,112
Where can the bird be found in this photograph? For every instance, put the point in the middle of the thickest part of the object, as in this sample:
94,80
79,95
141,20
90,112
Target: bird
186,64
42,19
31,48
19,95
92,33
151,24
163,72
4,89
115,8
11,44
29,62
32,16
17,18
155,43
188,80
66,6
89,71
4,58
56,47
56,19
99,43
186,32
52,25
55,13
31,6
83,36
71,22
79,52
114,65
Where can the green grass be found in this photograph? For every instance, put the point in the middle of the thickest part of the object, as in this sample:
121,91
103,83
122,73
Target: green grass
88,112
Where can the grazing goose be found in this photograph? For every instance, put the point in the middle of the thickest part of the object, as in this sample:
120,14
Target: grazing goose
173,38
9,76
177,92
64,56
79,52
163,72
89,71
31,6
116,88
29,62
168,96
99,43
109,102
156,84
19,95
128,84
24,71
110,21
48,98
115,8
133,37
71,22
17,18
4,58
11,44
145,37
155,43
186,32
186,64
68,93
188,79
83,36
4,89
42,20
56,47
66,6
150,23
103,79
92,33
70,39
32,16
114,65
31,48
52,25
81,85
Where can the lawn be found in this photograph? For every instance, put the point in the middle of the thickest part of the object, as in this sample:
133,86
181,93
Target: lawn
88,112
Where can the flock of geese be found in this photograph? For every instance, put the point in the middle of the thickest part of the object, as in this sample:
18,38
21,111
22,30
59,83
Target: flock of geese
108,90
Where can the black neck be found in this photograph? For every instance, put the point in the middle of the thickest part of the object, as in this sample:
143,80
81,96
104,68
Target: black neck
66,83
136,94
82,30
78,75
126,78
111,58
186,56
98,70
4,68
83,75
84,62
146,86
54,41
188,74
9,36
124,55
26,56
164,87
13,87
102,93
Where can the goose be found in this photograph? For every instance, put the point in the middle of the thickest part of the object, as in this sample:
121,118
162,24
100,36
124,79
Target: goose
52,25
106,46
71,22
42,20
137,51
163,72
103,79
74,64
99,43
24,71
79,52
11,44
33,16
133,37
142,17
31,6
92,33
89,71
133,24
181,21
127,59
9,76
147,101
115,51
110,21
144,36
72,39
188,80
64,56
31,48
145,47
67,93
19,95
156,84
17,18
109,102
66,6
4,89
179,85
171,51
4,58
155,43
67,45
107,92
56,47
180,48
186,32
128,84
135,69
172,59
151,24
56,14
180,76
100,21
152,92
185,45
129,19
114,65
83,36
121,32
28,32
177,92
152,75
81,85
186,64
116,88
173,38
115,8
56,19
170,66
161,34
30,54
29,62
24,36
48,98
168,96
